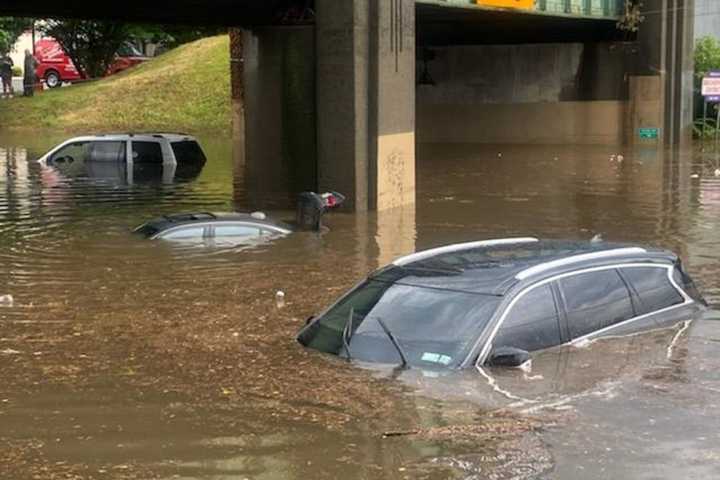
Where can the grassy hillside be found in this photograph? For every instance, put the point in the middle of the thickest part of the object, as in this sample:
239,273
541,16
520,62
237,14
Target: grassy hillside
185,89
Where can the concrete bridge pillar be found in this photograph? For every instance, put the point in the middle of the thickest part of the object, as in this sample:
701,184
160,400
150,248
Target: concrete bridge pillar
366,100
275,121
661,95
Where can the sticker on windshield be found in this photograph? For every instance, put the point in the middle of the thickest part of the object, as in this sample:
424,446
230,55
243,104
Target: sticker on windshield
436,358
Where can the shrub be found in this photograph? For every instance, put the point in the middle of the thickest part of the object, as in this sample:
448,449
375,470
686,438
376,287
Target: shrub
707,55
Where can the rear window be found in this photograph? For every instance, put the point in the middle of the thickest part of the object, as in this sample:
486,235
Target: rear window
188,151
432,326
653,288
687,283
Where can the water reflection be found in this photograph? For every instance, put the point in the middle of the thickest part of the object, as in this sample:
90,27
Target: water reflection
153,360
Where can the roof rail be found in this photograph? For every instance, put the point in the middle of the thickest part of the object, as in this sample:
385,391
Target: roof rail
577,258
402,261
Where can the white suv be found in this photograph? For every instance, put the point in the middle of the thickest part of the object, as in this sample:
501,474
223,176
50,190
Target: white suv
166,149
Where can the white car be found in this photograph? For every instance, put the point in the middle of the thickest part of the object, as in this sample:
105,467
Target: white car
124,154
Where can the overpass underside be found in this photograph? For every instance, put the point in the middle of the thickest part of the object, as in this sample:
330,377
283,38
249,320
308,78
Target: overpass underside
387,75
340,102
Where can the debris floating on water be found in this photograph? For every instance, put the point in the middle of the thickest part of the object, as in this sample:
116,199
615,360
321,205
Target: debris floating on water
694,175
6,300
717,172
597,238
620,158
280,299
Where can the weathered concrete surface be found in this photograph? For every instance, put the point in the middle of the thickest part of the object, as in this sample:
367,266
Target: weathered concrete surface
280,133
366,100
342,93
547,72
599,122
646,107
666,49
392,104
543,93
707,18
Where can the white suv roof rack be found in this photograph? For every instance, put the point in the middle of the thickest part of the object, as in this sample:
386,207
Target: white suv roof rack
577,258
458,247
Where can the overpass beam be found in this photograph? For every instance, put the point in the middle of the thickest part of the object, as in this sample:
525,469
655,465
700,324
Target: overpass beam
366,100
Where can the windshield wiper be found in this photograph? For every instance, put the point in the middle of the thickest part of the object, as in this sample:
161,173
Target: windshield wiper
347,333
394,342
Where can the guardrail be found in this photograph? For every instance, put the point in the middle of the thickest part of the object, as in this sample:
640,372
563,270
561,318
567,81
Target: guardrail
581,8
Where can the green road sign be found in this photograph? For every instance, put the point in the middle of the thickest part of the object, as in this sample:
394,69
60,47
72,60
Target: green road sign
651,133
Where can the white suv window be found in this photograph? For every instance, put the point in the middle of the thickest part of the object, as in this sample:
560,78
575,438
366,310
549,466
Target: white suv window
147,153
189,233
72,159
236,231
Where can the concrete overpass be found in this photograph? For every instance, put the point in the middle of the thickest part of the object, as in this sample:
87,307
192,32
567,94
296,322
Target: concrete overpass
334,102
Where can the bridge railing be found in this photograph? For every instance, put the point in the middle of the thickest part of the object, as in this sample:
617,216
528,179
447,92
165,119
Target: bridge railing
580,8
592,8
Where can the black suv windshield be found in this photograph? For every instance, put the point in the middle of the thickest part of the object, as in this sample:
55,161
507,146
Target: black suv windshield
434,327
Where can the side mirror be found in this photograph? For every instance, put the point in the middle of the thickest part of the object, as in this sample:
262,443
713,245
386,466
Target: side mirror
508,357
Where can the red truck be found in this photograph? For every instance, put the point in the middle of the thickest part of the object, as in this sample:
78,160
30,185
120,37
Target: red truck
55,66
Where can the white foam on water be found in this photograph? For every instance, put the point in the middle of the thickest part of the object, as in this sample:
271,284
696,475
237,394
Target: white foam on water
676,338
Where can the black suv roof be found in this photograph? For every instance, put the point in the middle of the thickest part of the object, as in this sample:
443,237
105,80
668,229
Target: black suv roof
494,269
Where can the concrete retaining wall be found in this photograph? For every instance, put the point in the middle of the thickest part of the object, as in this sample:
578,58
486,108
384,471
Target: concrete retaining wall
599,122
549,93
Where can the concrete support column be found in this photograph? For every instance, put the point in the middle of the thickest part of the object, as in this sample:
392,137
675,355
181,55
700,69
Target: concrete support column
666,52
279,105
366,100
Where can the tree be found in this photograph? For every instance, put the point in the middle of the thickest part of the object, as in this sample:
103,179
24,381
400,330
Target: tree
90,44
170,36
10,30
707,56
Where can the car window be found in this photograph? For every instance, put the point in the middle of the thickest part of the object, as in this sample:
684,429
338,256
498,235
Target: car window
147,152
188,151
71,158
128,50
434,327
84,158
653,287
189,233
595,300
236,231
77,151
113,152
532,323
687,284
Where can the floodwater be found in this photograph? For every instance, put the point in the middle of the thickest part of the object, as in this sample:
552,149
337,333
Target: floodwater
123,358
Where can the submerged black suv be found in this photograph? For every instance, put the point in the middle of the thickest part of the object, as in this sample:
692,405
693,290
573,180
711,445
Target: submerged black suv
492,302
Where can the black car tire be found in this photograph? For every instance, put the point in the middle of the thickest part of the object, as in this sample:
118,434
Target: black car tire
52,79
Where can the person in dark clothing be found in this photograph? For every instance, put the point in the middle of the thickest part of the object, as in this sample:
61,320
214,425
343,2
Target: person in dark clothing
30,76
6,66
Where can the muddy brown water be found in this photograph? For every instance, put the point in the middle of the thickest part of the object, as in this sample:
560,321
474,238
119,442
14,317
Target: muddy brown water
122,358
